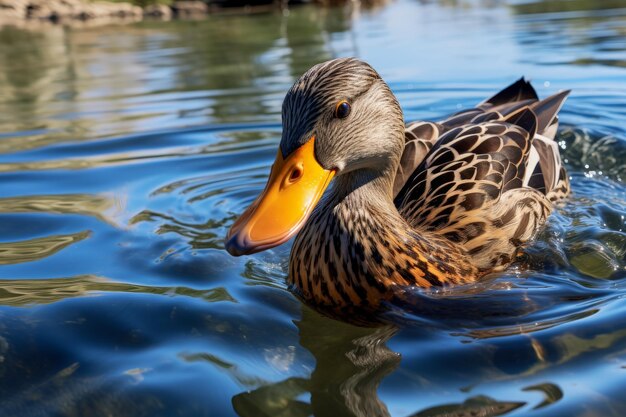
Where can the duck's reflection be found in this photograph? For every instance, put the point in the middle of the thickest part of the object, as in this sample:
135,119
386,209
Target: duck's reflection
350,361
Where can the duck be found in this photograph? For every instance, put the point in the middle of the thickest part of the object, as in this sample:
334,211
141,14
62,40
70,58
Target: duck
380,208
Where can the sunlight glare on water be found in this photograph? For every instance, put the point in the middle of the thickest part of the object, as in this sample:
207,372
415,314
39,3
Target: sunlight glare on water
126,152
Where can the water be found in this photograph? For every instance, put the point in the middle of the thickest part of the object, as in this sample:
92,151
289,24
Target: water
126,152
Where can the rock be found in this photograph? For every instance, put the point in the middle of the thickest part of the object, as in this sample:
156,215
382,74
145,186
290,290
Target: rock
96,12
190,9
56,10
107,10
13,9
158,11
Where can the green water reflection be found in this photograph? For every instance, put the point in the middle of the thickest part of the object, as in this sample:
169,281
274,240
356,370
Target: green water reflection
33,292
47,72
34,249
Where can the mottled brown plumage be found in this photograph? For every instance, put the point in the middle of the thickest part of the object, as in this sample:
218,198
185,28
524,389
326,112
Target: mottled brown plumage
425,205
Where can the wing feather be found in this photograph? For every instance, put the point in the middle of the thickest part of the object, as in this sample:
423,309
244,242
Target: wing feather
485,177
420,138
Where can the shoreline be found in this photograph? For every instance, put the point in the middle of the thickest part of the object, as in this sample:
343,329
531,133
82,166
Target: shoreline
95,13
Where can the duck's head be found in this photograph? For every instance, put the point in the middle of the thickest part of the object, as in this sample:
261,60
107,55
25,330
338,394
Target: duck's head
340,117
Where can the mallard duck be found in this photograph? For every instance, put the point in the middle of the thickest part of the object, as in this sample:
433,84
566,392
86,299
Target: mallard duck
428,204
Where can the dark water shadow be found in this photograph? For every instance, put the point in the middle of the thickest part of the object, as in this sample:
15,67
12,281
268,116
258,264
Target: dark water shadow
351,362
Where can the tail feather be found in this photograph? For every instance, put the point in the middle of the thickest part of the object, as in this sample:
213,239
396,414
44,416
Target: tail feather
547,110
544,167
524,118
518,91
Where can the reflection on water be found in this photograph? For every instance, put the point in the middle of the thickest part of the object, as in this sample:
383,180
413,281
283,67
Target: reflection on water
85,204
44,291
34,249
350,363
127,151
475,406
59,83
552,393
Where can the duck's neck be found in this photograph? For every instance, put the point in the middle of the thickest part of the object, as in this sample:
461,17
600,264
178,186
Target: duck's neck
356,249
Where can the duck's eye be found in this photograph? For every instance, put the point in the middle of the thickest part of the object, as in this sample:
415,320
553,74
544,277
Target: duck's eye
342,110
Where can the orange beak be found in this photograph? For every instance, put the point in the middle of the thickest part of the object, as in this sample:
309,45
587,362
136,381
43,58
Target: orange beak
295,186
